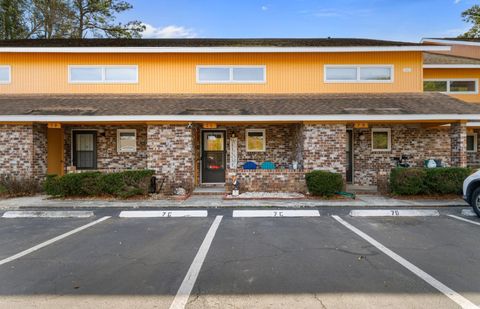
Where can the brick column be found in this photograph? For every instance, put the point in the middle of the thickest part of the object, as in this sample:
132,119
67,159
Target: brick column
458,136
170,154
324,147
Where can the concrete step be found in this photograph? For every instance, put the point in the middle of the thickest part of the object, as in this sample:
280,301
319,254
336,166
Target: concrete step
210,190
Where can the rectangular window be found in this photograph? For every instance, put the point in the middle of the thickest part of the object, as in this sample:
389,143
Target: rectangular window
231,74
358,73
381,140
458,86
255,140
103,74
5,73
126,140
472,142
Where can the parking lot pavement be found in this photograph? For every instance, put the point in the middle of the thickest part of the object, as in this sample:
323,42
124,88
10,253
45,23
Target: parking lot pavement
117,263
303,263
20,234
244,262
446,248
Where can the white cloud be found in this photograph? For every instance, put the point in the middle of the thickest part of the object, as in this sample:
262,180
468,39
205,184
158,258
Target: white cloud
457,1
171,31
264,7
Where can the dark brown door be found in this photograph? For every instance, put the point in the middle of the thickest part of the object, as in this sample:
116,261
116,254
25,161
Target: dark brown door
85,150
349,154
213,157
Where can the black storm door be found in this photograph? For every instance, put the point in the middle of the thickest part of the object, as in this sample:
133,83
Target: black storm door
213,157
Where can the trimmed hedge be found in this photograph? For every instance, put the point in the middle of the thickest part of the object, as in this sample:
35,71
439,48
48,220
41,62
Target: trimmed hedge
322,183
123,184
413,181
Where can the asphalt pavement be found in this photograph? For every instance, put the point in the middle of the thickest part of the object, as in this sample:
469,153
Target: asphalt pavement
323,258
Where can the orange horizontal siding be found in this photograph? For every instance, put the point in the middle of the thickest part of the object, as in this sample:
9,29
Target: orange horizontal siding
176,73
453,74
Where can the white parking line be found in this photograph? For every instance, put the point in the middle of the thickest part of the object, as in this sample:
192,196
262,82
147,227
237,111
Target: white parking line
468,213
48,214
163,213
459,299
274,213
51,241
394,213
463,219
185,289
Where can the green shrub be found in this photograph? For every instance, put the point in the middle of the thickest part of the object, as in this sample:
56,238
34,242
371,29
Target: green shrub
413,181
322,183
407,181
123,184
12,186
446,180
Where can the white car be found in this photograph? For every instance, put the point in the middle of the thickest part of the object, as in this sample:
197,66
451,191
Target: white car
471,191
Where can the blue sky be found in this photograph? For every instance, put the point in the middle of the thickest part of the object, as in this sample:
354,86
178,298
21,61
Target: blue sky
405,20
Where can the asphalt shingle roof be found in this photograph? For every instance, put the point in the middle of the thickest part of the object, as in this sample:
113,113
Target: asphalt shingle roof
267,42
432,58
236,104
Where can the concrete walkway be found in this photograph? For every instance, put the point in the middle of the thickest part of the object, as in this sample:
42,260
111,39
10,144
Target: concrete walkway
218,201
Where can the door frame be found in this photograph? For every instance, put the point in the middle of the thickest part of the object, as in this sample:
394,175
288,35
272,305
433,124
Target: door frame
72,146
201,155
352,155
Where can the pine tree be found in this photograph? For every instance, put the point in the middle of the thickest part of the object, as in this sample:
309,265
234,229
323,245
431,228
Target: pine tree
12,24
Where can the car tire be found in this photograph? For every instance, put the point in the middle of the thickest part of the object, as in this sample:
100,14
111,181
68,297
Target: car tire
475,201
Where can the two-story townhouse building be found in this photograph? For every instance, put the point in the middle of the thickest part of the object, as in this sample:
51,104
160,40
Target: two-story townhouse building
456,73
199,111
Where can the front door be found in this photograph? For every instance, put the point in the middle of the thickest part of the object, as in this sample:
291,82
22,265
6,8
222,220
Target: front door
213,157
349,154
85,150
55,152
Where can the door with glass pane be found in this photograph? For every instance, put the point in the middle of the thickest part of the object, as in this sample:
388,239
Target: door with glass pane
213,157
85,150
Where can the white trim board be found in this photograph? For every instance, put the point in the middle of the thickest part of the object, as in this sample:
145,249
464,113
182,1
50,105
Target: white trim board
394,213
238,118
451,66
352,49
163,213
454,42
277,213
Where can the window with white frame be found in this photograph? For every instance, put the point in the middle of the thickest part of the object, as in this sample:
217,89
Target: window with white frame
358,73
231,74
255,140
126,140
111,74
458,86
381,139
472,142
5,74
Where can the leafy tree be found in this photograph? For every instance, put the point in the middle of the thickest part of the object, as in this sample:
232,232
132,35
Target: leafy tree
12,25
472,16
50,19
97,18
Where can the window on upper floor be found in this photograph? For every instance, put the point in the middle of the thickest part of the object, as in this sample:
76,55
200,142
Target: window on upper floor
358,74
5,74
457,86
231,74
121,74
